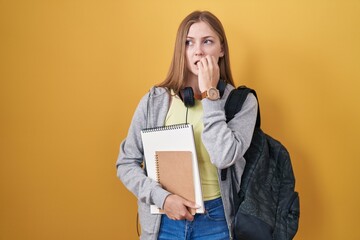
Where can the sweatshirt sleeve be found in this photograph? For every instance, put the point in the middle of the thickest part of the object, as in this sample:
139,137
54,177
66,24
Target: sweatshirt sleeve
130,161
228,142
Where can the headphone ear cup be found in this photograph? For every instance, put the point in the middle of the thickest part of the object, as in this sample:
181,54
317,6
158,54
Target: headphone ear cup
221,87
189,99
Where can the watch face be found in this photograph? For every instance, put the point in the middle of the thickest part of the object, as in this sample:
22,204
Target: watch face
213,94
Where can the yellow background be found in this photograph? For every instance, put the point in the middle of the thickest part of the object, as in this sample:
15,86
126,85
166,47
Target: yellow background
73,71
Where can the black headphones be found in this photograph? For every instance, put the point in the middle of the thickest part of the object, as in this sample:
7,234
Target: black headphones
188,94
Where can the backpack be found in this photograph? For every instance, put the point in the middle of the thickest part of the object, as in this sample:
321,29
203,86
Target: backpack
266,205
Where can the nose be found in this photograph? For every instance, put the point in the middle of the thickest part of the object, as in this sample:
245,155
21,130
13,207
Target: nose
198,50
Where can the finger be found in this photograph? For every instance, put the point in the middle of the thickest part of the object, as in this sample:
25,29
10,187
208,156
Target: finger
181,214
216,69
210,64
189,216
200,65
214,63
204,62
190,204
205,68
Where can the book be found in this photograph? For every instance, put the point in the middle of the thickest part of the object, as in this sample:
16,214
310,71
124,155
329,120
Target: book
178,138
174,172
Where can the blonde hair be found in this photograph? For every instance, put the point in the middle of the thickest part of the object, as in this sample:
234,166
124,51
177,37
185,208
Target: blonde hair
176,76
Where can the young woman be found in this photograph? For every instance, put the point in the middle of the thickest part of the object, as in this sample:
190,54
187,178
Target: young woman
200,63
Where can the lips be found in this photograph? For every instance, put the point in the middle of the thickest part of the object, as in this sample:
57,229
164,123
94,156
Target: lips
196,62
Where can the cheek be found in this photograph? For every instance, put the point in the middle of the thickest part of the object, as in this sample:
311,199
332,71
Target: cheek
216,52
187,59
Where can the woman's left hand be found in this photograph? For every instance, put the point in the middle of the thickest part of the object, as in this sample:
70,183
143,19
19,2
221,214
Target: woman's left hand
209,73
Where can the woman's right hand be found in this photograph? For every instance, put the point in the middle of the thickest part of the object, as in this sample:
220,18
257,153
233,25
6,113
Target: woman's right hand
177,208
209,73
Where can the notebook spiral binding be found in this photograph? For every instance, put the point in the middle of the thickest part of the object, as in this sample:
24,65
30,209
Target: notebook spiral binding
157,170
163,128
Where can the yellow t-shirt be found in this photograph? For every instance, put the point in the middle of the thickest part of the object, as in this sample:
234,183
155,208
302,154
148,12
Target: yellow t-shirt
208,172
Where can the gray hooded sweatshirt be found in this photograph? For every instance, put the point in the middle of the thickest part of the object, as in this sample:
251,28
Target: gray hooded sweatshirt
226,144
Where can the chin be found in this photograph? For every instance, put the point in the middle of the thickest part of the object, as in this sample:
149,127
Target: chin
195,74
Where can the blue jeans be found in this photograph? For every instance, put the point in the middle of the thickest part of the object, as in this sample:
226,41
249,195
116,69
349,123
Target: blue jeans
208,226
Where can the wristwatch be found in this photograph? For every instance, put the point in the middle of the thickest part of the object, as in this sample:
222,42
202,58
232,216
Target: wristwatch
212,94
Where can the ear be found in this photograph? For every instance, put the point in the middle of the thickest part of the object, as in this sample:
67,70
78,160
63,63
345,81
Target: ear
222,51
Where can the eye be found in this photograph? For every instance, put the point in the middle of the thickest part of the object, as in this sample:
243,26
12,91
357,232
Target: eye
188,42
208,41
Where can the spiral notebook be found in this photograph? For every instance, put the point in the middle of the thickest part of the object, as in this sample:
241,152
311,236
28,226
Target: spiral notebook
173,143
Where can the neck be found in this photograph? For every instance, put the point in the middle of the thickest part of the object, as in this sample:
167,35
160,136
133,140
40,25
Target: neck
193,83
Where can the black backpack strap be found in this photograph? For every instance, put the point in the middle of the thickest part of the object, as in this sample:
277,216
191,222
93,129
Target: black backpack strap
233,105
235,102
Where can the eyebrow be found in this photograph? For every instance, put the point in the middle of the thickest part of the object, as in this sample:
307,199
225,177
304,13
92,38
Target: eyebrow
202,37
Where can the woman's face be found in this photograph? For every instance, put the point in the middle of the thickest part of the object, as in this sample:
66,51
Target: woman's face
200,42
